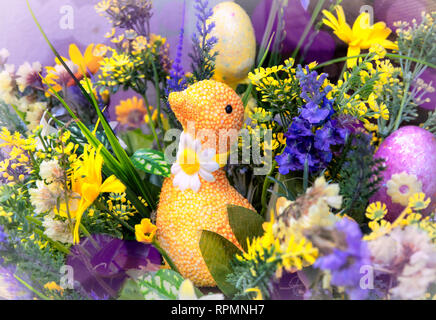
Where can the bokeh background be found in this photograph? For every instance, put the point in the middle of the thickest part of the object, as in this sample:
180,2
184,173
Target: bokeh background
19,34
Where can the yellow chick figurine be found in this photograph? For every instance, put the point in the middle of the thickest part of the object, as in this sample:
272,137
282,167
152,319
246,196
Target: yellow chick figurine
196,196
236,45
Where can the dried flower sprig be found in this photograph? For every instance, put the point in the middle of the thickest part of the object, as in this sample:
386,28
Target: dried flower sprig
203,61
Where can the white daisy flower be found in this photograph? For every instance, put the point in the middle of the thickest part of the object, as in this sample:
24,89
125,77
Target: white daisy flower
193,163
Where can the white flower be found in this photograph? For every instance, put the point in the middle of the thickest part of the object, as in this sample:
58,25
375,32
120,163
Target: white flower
57,230
4,55
45,197
187,292
402,186
50,171
34,114
63,76
409,255
28,74
193,163
7,84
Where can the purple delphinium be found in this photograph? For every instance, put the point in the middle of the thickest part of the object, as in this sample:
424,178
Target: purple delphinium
347,258
177,81
313,132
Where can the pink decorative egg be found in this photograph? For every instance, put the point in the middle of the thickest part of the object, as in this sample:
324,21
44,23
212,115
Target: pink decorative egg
411,150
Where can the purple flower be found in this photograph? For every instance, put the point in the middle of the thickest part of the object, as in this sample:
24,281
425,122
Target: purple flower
177,81
203,60
10,287
101,263
305,4
313,133
347,258
314,113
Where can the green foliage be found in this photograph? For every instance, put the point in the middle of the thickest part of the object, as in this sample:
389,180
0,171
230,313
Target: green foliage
249,274
359,175
10,119
162,285
245,223
151,161
217,253
430,123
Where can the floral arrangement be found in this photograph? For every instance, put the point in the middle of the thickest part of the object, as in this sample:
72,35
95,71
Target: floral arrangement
334,198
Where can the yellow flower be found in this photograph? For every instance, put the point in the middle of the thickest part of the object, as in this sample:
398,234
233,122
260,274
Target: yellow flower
361,36
376,211
417,201
145,231
87,181
80,64
53,286
131,112
257,291
139,44
402,186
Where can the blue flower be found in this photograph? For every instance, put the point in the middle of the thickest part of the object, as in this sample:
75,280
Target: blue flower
313,132
347,258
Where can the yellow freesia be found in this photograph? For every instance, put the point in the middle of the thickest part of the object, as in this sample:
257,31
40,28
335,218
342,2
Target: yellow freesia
87,181
145,231
362,35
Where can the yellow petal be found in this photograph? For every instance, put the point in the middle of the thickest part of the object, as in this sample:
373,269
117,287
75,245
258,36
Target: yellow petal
187,291
90,192
352,51
79,213
112,184
331,19
361,24
76,56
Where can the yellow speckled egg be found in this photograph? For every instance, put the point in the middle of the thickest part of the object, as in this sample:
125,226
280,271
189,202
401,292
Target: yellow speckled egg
236,45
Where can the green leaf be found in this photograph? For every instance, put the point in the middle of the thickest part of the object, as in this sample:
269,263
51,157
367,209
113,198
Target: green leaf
151,161
162,285
135,140
131,291
217,253
245,224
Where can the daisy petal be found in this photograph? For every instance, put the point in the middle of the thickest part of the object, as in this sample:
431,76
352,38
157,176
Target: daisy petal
209,177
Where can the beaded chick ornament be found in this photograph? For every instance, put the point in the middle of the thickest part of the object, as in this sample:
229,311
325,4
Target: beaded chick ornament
196,196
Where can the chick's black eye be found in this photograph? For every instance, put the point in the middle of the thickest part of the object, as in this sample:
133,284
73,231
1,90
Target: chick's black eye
229,109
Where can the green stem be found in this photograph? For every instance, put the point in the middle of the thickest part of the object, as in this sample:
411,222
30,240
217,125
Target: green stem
164,255
403,103
156,86
150,121
40,233
308,27
250,86
266,184
28,286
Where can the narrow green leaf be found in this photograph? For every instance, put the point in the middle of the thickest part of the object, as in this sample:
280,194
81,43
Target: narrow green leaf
151,161
245,224
217,253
